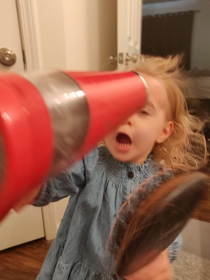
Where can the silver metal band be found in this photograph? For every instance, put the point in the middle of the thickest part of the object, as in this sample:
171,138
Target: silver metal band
69,111
144,82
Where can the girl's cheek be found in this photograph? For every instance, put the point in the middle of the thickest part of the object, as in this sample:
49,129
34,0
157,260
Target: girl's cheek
143,138
145,134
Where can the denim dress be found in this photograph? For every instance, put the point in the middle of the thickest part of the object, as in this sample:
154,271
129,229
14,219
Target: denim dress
98,185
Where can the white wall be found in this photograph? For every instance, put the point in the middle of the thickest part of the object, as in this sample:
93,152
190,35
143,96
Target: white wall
90,33
51,33
77,35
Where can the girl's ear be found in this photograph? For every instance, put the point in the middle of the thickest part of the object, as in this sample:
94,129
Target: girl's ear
167,130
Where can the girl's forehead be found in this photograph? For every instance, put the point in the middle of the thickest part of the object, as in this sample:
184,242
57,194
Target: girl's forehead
157,91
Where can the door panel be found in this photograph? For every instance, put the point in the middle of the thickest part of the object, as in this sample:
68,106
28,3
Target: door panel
28,224
129,30
22,227
10,34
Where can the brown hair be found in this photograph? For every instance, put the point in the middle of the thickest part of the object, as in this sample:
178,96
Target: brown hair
185,149
143,229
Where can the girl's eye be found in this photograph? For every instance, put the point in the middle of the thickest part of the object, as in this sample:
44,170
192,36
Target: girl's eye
144,112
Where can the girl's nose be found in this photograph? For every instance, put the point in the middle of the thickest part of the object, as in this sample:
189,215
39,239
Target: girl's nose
129,121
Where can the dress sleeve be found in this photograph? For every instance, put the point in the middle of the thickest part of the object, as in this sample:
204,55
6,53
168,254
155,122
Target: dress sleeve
66,183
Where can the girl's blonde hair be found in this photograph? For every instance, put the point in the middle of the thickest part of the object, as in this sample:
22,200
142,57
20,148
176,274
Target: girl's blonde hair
185,149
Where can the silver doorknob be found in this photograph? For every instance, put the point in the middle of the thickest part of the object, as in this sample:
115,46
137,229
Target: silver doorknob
132,58
7,57
114,59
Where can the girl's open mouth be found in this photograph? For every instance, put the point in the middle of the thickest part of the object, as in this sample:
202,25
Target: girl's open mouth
123,141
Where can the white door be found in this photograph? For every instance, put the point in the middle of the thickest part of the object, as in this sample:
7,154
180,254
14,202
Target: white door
129,21
28,224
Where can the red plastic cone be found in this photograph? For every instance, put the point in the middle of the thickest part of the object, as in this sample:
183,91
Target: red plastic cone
50,120
112,97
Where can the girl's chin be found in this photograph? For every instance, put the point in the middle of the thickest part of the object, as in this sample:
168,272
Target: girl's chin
122,157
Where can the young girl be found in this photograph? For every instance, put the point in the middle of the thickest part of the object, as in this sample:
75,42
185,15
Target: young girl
162,135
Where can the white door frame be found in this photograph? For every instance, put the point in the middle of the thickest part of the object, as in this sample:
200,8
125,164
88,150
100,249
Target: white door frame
28,28
30,42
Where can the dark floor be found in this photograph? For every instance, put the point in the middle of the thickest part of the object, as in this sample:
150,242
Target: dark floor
23,262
